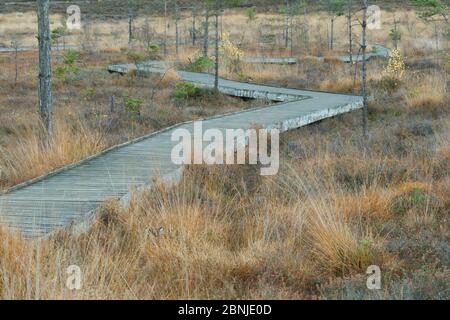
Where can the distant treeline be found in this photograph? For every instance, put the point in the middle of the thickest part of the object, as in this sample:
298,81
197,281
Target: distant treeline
120,7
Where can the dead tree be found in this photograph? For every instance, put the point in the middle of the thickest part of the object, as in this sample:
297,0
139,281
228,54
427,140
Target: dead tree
396,35
112,105
336,8
194,28
286,29
364,70
350,31
165,27
216,75
130,21
45,66
177,31
206,33
15,45
332,33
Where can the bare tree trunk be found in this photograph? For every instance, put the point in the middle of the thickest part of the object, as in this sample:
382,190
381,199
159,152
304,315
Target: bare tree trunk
130,31
112,105
206,40
177,32
17,68
328,37
364,71
292,37
16,62
306,42
395,32
286,32
350,32
216,77
45,67
332,34
130,23
194,30
165,27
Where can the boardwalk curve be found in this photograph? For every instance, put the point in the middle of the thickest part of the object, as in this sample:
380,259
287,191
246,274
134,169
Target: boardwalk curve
70,194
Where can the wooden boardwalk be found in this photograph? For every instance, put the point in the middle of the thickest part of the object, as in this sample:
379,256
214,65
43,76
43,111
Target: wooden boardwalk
270,60
375,51
71,194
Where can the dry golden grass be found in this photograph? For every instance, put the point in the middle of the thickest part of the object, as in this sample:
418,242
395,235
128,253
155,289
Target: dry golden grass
31,155
371,202
226,232
169,78
427,90
338,205
112,34
344,85
229,248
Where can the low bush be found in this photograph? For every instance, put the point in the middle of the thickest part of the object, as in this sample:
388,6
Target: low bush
388,84
200,64
185,90
69,67
135,56
132,105
153,51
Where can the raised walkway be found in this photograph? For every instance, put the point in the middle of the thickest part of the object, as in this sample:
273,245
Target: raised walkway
70,194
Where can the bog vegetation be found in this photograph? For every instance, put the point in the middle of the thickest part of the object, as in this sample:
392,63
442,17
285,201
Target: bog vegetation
339,204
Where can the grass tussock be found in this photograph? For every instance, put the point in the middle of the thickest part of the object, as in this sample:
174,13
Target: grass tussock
429,92
345,85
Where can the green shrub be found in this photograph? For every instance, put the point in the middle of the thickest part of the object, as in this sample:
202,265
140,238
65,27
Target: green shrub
250,13
60,72
70,57
389,84
68,67
58,33
364,247
132,105
416,198
153,52
89,92
200,64
136,57
395,35
185,90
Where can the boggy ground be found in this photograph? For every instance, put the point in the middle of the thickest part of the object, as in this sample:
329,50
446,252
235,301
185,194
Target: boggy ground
339,204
